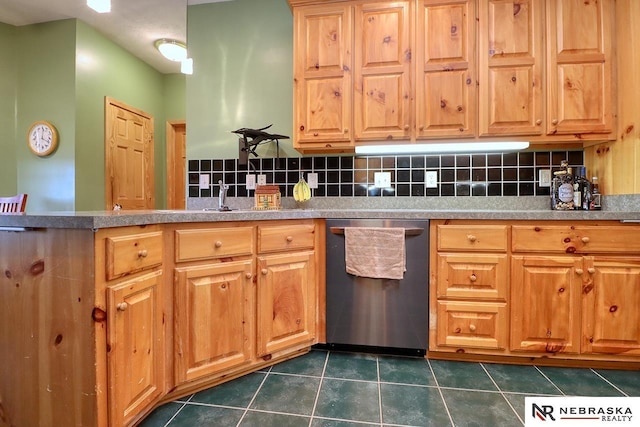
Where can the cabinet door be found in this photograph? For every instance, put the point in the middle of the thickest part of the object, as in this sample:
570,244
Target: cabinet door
446,90
286,301
322,76
510,67
382,98
611,298
136,346
545,303
580,78
213,317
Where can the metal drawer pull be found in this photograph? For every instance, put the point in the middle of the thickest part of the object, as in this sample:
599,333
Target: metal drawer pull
407,231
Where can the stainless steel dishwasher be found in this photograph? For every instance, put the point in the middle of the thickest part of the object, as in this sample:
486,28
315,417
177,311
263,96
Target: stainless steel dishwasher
378,312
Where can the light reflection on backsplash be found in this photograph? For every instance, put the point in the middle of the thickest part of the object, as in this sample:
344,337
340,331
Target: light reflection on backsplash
508,174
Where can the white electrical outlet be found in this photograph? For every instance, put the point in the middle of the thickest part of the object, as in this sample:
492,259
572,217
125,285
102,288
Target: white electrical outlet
312,180
262,179
431,179
204,181
382,179
544,177
250,182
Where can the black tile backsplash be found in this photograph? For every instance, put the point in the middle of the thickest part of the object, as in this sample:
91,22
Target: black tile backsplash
477,175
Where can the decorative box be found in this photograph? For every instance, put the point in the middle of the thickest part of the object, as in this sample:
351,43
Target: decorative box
267,197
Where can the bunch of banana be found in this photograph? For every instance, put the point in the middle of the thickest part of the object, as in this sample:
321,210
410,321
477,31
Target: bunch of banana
301,191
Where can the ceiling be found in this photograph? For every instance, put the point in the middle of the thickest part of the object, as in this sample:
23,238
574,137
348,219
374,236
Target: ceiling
132,24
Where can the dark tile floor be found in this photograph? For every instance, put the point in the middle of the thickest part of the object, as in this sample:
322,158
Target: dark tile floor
333,389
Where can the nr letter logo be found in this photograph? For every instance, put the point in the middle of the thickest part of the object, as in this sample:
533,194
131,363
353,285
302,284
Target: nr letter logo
543,412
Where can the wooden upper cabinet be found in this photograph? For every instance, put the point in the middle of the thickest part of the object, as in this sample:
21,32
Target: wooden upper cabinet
446,89
322,76
510,67
382,71
580,75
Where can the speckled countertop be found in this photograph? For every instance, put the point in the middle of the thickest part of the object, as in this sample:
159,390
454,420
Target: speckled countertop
617,208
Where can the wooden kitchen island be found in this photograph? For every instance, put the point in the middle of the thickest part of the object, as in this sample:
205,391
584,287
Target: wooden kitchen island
102,322
106,315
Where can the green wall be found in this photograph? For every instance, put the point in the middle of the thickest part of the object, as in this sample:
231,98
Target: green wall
8,90
46,91
105,69
61,72
243,74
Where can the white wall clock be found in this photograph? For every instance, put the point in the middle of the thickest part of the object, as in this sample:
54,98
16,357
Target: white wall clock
42,138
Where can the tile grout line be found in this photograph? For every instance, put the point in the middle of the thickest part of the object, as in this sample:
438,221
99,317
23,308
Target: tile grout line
315,403
549,379
179,410
609,382
244,414
435,379
501,393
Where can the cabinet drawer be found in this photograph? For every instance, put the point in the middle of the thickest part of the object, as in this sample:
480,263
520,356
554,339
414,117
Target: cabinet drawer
472,276
134,252
472,238
285,238
578,239
472,324
207,243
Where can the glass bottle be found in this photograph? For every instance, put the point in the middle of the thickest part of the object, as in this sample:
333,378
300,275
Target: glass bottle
579,192
595,203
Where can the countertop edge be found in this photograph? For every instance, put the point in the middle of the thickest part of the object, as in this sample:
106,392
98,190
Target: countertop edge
109,219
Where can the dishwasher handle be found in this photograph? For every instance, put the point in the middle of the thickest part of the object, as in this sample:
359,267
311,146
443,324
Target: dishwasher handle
407,231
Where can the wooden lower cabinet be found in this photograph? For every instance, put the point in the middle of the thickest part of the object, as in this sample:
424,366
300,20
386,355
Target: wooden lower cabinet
471,324
244,296
545,304
562,291
286,301
213,312
135,346
611,306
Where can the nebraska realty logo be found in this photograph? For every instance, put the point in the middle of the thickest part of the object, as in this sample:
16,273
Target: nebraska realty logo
582,411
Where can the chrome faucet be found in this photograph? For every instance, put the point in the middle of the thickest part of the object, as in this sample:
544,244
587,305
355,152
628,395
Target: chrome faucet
222,196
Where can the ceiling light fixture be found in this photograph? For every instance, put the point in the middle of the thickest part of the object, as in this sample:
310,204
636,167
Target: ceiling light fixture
172,49
100,6
186,66
452,147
